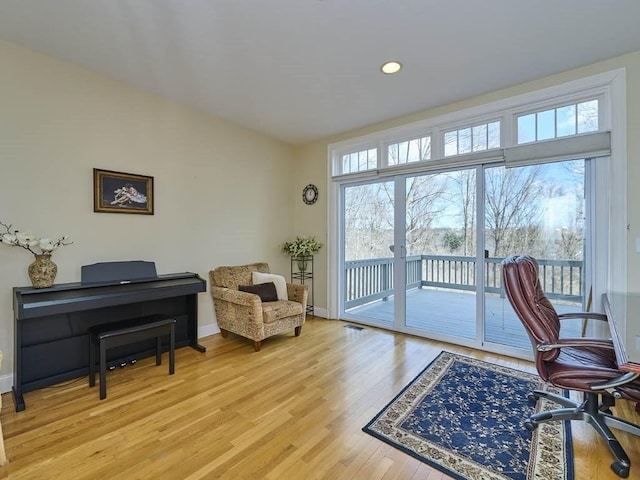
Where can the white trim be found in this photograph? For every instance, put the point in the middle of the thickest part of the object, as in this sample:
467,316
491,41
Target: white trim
617,186
320,312
333,242
587,145
207,330
6,382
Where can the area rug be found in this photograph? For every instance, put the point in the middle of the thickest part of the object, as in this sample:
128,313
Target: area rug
465,418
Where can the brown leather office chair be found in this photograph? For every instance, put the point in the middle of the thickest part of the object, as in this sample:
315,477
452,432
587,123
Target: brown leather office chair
583,364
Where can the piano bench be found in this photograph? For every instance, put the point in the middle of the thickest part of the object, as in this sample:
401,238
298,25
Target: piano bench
116,334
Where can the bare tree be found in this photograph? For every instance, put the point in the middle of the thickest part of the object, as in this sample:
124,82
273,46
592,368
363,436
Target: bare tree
423,199
512,209
465,181
368,220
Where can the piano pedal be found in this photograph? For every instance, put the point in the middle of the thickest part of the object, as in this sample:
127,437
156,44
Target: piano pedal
111,367
132,361
123,364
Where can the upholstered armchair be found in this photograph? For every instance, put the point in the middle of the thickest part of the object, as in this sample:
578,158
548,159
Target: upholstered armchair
245,313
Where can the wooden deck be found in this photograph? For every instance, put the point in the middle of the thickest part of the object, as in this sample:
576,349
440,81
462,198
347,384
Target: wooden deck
453,313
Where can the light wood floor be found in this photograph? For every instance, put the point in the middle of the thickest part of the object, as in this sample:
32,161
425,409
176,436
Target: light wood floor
292,411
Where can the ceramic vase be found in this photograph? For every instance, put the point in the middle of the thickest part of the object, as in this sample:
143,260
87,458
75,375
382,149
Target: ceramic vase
42,271
302,263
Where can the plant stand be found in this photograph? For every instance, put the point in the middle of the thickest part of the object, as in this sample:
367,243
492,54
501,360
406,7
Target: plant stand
302,273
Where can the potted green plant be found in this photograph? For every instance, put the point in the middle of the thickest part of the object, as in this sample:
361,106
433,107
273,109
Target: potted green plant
301,249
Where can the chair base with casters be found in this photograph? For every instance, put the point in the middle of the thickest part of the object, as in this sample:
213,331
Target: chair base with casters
593,411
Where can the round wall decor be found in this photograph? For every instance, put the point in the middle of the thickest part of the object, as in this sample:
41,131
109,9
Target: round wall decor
310,194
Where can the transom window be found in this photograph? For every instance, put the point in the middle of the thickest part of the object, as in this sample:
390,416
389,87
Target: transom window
360,161
415,150
558,122
471,139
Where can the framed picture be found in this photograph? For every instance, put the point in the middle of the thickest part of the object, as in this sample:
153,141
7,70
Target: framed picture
118,192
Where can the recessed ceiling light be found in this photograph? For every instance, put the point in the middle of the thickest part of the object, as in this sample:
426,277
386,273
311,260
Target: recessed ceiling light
391,67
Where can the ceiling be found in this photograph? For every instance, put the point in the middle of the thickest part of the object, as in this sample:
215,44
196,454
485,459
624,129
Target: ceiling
301,70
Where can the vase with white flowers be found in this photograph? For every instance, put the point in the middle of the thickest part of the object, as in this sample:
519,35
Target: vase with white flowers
42,271
301,249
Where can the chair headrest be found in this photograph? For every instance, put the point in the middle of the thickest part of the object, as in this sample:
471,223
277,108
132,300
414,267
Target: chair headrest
522,285
231,277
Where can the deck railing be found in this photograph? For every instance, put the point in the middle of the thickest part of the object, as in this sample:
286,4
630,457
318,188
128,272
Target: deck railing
372,279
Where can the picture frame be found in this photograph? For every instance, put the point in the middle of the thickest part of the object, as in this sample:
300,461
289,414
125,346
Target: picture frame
119,192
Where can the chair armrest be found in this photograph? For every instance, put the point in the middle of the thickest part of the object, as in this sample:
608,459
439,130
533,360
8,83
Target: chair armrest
611,385
245,299
295,292
575,342
596,316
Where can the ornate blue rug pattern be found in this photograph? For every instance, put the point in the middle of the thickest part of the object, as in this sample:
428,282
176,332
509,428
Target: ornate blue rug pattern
465,417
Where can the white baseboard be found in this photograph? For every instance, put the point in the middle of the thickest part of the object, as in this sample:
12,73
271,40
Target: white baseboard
6,382
207,330
320,312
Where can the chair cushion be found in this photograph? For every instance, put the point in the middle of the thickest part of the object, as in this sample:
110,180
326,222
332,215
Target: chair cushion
273,311
278,280
266,291
578,367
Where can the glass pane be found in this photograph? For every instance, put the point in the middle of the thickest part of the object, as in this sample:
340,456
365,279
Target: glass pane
420,149
540,211
450,143
464,140
362,160
527,128
494,135
403,152
368,233
546,125
410,151
393,153
566,120
440,253
345,164
479,138
588,116
359,161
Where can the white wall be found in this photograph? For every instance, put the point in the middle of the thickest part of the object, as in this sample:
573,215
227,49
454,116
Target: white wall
222,193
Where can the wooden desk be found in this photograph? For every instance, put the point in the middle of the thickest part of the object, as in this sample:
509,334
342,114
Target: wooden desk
623,311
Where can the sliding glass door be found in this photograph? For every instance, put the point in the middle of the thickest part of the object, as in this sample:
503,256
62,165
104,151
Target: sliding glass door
368,265
422,253
538,210
441,254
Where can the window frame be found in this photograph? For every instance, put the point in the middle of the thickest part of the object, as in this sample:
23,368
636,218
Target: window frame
610,179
